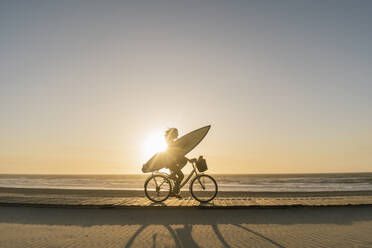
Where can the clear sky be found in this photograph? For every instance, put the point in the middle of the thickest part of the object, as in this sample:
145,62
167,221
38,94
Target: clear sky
286,85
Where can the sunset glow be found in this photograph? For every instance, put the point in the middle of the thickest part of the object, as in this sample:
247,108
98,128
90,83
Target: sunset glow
90,87
154,143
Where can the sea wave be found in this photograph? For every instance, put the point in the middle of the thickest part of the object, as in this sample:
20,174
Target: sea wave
254,183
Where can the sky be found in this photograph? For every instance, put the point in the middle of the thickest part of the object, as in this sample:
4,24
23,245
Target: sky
286,85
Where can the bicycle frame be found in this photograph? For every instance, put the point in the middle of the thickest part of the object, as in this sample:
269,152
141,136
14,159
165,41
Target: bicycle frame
194,171
185,181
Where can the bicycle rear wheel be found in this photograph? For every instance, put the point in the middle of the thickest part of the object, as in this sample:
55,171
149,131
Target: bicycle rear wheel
203,188
157,188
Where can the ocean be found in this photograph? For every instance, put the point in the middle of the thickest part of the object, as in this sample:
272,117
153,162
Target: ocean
246,182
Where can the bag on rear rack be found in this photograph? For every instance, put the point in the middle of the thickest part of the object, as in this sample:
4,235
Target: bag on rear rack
201,164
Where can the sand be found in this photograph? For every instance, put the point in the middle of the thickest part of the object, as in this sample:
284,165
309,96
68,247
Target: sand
293,227
349,226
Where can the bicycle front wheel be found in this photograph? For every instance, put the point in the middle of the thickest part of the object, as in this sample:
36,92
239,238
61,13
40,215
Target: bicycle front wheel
158,188
203,188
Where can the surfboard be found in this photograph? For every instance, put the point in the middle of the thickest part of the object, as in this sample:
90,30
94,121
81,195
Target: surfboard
181,147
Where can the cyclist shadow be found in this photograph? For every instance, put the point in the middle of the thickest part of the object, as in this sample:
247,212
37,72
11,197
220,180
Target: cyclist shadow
181,234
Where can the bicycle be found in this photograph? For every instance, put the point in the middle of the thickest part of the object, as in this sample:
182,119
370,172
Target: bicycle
203,187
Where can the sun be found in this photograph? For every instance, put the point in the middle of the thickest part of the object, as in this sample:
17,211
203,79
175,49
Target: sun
154,143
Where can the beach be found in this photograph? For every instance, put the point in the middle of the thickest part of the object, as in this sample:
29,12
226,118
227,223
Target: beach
101,218
78,216
252,183
298,227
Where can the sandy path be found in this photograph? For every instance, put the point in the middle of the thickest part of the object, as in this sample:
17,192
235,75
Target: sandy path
294,227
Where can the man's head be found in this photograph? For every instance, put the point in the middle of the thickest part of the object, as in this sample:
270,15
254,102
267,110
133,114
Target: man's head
171,133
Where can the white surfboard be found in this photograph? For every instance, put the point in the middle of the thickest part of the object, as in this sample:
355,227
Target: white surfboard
183,145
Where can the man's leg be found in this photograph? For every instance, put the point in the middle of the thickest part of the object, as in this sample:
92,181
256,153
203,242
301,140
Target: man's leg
179,177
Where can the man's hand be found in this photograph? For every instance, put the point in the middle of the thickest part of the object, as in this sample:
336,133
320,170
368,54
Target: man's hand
193,160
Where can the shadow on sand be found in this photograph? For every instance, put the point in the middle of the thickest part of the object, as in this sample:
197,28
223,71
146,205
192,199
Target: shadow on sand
181,223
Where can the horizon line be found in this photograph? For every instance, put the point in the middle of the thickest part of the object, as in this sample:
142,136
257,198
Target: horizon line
129,174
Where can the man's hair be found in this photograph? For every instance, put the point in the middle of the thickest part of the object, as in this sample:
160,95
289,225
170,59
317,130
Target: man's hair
171,133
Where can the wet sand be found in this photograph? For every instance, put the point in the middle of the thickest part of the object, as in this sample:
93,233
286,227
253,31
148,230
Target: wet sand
299,227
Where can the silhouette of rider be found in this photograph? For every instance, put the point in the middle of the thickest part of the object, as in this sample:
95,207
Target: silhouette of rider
178,160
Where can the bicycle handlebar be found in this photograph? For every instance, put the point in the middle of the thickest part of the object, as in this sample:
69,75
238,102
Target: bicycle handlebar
193,160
